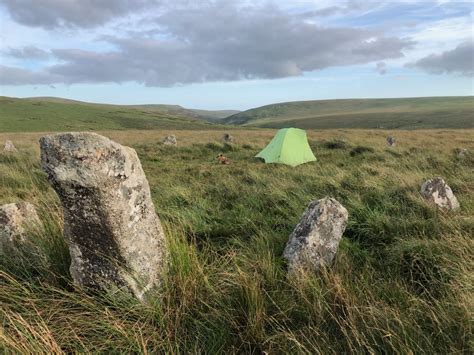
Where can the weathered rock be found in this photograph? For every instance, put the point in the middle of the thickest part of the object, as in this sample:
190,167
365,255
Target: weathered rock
462,153
222,159
438,192
170,140
227,138
16,219
114,235
315,239
9,147
391,141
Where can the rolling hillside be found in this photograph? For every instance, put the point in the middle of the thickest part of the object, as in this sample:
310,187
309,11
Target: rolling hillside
57,114
54,114
406,113
174,110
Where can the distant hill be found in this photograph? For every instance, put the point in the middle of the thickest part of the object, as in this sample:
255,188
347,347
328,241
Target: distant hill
174,110
405,113
55,114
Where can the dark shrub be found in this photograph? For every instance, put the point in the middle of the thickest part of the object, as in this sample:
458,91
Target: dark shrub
214,147
335,144
229,147
221,148
360,149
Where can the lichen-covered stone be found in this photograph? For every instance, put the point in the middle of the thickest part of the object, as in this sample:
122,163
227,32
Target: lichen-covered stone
114,235
9,147
462,153
170,140
16,219
315,240
391,141
438,192
227,138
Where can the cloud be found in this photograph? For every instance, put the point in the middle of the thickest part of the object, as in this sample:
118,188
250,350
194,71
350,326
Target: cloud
220,41
71,13
28,52
18,76
381,68
459,60
337,10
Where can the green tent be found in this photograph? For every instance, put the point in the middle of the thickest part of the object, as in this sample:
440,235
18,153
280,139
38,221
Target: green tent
289,146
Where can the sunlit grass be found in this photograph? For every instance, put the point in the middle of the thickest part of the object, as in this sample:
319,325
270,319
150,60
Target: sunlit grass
402,281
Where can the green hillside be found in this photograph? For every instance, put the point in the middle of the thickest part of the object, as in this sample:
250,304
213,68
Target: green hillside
176,110
53,114
213,116
406,113
173,110
57,114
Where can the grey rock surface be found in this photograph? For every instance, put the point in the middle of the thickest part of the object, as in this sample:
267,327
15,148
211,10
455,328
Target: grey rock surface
315,240
9,147
227,138
170,140
114,235
463,153
391,141
16,219
439,193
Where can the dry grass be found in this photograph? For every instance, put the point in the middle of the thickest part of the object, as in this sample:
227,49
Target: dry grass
402,281
442,140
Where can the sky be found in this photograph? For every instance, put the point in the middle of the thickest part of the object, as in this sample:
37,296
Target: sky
235,54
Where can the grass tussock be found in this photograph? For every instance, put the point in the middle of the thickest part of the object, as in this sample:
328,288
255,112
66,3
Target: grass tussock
402,281
335,144
360,149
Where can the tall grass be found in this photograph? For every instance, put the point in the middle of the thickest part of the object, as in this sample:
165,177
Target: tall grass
402,281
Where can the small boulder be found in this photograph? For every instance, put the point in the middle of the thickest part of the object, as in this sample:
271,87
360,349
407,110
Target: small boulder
9,147
438,192
227,138
16,219
391,141
462,153
170,140
114,235
315,240
222,159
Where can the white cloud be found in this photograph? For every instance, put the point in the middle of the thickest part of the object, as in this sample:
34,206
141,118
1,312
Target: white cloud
52,14
185,41
459,60
221,42
445,31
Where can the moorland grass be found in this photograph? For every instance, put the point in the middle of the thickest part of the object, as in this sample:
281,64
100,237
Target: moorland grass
56,114
401,283
38,115
396,113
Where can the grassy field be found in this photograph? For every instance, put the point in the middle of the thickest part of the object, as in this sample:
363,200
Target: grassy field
172,110
56,114
53,114
402,281
406,113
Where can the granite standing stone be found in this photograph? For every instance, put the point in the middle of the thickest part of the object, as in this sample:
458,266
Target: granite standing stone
439,193
114,235
315,240
16,219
